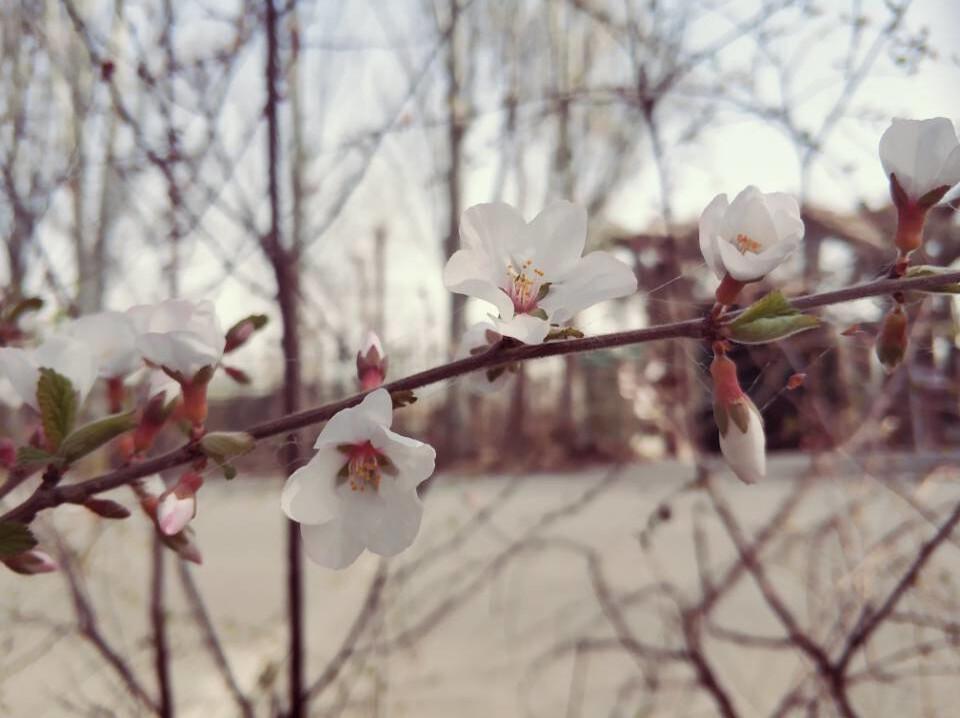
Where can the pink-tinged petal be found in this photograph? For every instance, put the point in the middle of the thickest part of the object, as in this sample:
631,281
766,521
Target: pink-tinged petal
473,273
711,229
414,460
173,514
555,238
329,545
309,495
524,328
595,278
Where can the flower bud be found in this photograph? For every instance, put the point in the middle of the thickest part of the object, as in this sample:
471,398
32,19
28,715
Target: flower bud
31,562
742,439
179,505
154,416
371,363
892,340
106,508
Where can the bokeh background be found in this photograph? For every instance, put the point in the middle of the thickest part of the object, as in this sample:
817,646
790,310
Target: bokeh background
583,553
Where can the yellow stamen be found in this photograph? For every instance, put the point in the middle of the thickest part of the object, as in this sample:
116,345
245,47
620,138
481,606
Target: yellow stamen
745,244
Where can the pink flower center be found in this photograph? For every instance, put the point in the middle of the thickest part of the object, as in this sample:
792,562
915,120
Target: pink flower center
364,466
523,287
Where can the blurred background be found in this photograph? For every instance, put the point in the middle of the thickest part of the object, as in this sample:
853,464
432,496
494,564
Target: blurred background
309,160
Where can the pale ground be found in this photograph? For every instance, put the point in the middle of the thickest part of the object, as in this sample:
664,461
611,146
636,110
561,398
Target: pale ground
502,649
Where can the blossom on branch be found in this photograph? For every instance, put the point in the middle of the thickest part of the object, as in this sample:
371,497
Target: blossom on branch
31,562
922,160
533,273
360,489
186,340
742,439
65,355
178,506
744,240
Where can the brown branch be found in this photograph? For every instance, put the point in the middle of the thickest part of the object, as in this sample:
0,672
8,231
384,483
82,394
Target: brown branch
158,620
48,497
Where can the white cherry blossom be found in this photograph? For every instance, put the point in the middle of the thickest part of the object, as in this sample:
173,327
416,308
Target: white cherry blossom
749,237
360,489
65,355
924,155
178,334
533,273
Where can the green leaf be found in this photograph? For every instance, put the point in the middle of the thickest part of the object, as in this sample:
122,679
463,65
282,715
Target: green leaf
769,319
539,314
90,437
15,538
926,270
58,405
31,456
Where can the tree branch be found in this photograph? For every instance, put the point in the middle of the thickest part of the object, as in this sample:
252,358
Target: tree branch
48,497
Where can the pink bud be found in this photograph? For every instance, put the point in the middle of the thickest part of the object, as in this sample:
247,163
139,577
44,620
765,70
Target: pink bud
371,363
179,505
31,562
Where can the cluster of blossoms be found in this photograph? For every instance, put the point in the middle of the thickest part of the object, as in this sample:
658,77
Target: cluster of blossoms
173,349
359,489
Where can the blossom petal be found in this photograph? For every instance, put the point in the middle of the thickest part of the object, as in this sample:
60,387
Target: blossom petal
173,514
555,238
70,358
711,229
745,267
329,544
414,460
524,328
496,230
309,495
748,215
112,339
595,278
385,522
473,273
950,172
358,423
745,452
898,146
21,372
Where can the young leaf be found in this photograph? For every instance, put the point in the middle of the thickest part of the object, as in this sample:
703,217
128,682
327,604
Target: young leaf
769,319
58,405
31,457
90,437
15,538
220,445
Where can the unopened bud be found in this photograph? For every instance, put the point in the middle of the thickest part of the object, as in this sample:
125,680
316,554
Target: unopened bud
371,363
179,505
154,416
742,439
238,375
892,340
106,508
31,562
912,214
239,333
